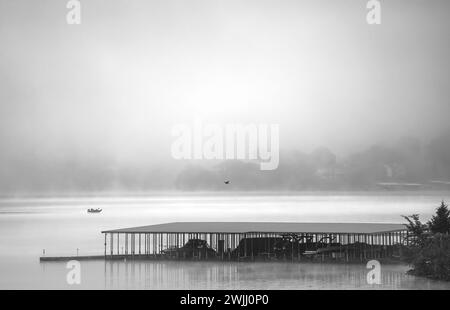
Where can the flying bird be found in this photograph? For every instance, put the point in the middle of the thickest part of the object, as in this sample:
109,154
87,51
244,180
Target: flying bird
226,182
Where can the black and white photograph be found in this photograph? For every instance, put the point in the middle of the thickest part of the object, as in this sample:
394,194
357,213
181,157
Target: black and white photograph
205,146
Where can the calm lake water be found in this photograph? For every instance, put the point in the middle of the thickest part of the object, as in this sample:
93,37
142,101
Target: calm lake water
62,225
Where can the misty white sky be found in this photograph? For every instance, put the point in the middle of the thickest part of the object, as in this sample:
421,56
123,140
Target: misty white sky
117,83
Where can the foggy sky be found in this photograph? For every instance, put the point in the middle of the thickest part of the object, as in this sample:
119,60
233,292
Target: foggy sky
116,84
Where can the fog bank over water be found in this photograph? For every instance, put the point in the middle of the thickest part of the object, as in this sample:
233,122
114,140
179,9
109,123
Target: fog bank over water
91,107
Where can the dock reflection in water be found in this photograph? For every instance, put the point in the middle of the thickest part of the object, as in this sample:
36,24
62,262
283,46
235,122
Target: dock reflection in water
232,275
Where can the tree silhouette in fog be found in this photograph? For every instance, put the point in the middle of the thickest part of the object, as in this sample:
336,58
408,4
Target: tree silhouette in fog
440,223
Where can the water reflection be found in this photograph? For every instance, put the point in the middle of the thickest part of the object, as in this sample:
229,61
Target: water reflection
233,275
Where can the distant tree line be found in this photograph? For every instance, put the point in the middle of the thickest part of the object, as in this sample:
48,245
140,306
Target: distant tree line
407,161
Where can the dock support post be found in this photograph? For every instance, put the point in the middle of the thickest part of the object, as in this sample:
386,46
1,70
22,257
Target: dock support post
111,244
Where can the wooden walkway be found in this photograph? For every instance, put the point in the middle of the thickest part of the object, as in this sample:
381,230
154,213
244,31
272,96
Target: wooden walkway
99,257
68,258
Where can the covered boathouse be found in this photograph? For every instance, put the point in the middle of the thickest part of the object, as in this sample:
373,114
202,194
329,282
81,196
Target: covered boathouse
241,241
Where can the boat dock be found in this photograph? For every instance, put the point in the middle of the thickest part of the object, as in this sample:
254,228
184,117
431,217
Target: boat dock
252,241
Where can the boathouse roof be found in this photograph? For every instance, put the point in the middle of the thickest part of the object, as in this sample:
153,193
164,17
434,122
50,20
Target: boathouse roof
263,227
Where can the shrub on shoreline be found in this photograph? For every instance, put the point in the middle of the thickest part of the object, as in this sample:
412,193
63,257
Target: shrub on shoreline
428,245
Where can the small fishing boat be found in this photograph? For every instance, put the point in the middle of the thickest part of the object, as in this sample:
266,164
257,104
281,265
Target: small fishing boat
94,210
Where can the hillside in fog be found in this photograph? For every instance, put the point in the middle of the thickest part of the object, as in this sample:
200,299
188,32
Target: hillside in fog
407,161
